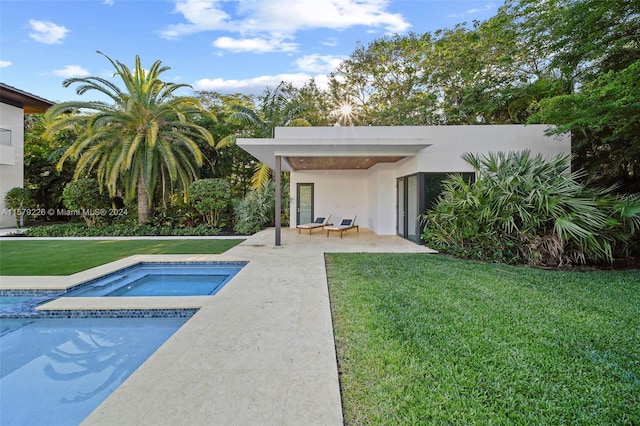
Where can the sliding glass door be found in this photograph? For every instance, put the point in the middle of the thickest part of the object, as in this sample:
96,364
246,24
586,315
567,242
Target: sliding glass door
415,194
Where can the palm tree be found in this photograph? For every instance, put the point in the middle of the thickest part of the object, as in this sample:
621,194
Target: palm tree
141,139
275,109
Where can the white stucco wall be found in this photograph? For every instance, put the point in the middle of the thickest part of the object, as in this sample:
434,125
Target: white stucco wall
336,192
369,194
450,142
11,158
381,199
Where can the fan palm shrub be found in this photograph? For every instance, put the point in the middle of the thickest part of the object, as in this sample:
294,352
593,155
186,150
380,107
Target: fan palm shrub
140,142
523,209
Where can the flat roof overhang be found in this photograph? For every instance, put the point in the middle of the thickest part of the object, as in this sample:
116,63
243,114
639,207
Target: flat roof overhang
332,153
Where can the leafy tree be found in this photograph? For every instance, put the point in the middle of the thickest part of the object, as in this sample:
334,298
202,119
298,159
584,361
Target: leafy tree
592,48
211,198
487,74
482,74
384,81
581,38
19,200
313,103
274,108
141,142
603,116
83,196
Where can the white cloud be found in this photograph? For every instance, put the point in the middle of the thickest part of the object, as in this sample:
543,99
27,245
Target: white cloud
281,19
256,45
202,15
316,63
71,71
288,17
486,8
108,2
258,84
47,32
331,41
4,64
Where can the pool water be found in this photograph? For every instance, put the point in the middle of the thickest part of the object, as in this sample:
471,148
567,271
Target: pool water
161,279
18,304
57,371
8,301
172,285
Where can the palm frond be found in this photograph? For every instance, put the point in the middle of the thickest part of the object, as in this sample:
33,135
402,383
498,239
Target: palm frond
229,140
261,176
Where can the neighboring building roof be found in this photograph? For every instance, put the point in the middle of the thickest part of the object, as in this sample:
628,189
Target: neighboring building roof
31,103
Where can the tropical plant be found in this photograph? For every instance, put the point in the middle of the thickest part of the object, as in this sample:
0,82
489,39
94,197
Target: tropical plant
19,200
274,109
257,210
525,209
141,142
84,197
232,163
40,157
211,198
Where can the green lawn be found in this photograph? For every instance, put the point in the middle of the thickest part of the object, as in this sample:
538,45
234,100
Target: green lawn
425,339
64,257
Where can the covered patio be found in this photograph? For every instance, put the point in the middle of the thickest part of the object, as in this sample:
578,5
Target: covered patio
385,176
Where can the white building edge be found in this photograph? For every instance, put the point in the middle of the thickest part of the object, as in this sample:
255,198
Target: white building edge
14,104
384,175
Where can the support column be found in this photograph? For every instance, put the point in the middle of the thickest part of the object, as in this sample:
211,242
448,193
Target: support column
278,213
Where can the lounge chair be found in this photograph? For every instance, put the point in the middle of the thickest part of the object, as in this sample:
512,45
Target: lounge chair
346,223
320,222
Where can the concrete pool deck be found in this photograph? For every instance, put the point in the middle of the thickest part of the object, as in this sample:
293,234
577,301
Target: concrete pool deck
260,352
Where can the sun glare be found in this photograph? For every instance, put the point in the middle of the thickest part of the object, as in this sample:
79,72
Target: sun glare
346,115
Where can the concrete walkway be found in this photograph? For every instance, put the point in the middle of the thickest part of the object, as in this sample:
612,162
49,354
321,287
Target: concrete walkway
260,352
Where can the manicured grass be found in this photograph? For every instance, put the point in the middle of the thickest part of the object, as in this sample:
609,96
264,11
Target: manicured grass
426,339
64,257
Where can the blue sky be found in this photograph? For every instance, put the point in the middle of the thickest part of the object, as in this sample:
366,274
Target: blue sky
227,46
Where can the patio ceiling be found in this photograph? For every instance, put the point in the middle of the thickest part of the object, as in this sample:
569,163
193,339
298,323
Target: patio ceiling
338,163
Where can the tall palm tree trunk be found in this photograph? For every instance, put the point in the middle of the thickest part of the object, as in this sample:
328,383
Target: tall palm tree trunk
143,201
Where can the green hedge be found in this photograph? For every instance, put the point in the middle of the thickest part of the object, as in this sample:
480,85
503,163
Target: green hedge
117,230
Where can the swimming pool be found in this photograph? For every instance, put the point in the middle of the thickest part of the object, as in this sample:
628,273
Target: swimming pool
57,371
161,279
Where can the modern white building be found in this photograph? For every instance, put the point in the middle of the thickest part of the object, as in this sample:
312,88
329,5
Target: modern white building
14,104
387,176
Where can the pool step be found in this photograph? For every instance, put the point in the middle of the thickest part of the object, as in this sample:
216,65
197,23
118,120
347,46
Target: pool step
102,287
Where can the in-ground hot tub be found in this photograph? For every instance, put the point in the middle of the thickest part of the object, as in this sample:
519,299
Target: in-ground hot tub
161,279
